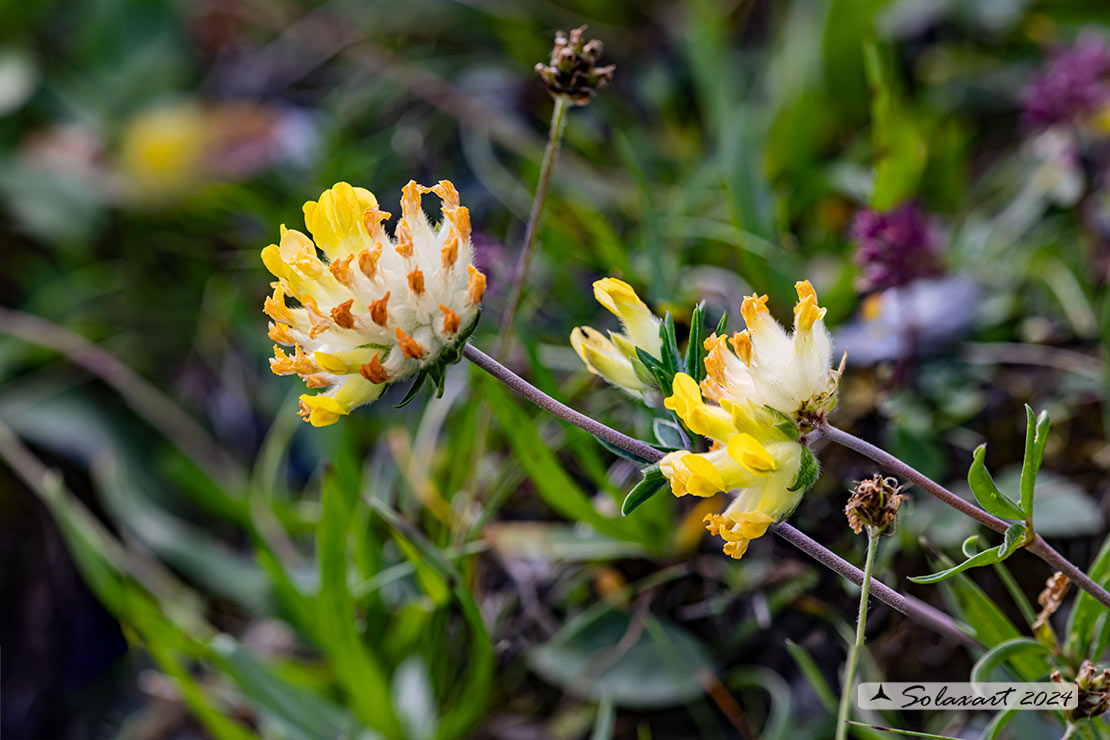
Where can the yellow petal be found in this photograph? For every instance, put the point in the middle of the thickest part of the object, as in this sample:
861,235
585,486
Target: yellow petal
705,479
322,410
686,395
330,363
746,450
271,257
638,320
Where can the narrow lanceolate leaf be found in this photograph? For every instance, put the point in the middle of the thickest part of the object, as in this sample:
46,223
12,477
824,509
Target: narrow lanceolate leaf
1036,437
695,352
721,323
986,492
652,483
1013,539
671,358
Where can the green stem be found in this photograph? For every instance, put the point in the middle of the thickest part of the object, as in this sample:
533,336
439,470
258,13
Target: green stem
520,277
861,628
524,259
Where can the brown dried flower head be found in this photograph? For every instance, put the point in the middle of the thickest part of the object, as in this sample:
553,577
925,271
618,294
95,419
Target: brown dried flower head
874,503
1050,599
573,71
1093,683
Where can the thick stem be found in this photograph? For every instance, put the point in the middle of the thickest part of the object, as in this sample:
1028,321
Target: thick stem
524,259
1037,546
857,647
913,608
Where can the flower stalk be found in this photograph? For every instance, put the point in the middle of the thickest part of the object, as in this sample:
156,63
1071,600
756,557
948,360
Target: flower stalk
915,609
857,646
524,259
1036,545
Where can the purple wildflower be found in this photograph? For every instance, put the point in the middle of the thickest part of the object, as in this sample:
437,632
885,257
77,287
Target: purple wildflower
894,247
1075,83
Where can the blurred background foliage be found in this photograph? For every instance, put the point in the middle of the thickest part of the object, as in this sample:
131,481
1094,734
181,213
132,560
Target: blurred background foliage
183,558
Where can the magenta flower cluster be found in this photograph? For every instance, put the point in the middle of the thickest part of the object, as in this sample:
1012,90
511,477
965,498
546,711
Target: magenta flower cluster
1074,84
894,247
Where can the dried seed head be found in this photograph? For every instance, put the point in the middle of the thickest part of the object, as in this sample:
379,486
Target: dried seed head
874,503
1050,599
573,72
1093,683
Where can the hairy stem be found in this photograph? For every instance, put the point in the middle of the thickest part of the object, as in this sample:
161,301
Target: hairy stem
524,259
857,647
1037,545
915,609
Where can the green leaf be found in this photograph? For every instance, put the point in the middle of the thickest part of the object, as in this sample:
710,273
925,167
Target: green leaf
986,492
660,669
668,434
357,670
808,473
1002,653
721,323
1087,610
695,351
672,360
1036,437
780,719
998,723
298,713
652,483
606,719
813,674
899,145
1014,538
554,485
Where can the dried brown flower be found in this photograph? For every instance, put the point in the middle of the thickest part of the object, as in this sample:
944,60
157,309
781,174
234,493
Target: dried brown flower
1093,683
1050,599
874,503
573,71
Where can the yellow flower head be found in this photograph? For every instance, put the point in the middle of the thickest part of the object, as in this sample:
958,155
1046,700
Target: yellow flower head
758,384
614,357
377,309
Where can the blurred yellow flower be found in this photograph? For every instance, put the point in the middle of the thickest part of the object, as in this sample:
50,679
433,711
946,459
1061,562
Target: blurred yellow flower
378,309
614,357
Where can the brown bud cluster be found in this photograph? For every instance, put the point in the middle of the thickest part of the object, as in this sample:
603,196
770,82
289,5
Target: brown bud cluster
1050,599
1093,683
874,503
573,72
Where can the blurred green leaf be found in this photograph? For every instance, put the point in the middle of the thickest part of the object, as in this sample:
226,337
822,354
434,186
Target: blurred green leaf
590,660
357,670
1001,654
